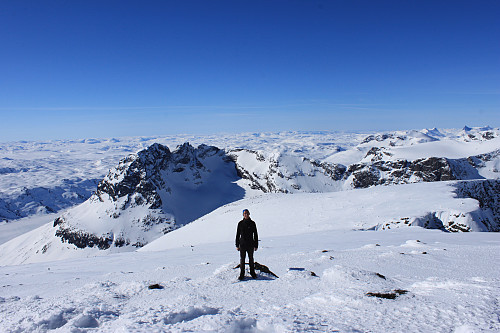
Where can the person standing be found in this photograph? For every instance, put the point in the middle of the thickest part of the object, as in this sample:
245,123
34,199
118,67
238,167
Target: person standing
247,241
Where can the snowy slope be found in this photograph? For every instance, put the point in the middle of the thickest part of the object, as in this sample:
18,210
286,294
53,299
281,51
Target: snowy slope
365,209
336,253
430,205
441,282
157,190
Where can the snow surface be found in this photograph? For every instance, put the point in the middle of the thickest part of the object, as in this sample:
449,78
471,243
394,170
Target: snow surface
451,280
329,250
362,209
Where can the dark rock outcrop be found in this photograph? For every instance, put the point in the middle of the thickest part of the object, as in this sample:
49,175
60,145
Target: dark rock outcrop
149,194
487,192
432,169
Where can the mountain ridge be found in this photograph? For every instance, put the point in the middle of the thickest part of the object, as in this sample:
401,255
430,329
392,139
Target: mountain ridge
156,190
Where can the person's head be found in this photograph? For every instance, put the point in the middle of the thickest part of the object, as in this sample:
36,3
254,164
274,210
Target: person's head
246,214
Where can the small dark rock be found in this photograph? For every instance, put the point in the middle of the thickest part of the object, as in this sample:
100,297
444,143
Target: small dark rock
383,295
155,286
400,291
391,295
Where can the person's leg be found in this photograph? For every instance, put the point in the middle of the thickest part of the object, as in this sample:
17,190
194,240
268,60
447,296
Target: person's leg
242,262
251,263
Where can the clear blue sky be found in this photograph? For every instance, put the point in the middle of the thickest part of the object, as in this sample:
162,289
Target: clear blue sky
79,69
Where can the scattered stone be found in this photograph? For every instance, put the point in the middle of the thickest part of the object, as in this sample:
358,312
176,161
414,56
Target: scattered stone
155,286
392,295
383,295
400,291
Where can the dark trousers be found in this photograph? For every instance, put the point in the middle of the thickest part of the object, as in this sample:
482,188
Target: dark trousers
243,253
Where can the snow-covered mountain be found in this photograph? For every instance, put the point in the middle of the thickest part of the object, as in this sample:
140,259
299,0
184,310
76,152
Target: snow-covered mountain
155,191
318,224
151,193
45,177
41,177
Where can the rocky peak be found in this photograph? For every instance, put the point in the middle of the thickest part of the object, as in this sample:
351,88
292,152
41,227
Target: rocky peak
147,195
156,190
137,173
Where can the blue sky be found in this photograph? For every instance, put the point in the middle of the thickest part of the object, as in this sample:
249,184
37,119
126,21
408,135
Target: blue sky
79,69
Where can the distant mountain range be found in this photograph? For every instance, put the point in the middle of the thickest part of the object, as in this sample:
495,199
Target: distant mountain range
152,192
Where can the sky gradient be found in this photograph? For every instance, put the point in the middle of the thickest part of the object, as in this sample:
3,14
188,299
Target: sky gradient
80,69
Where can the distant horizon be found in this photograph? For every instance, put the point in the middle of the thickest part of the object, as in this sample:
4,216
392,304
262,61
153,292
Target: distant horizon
353,131
84,69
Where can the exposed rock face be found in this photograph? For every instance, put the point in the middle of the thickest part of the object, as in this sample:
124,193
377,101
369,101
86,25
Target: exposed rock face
485,218
151,193
432,169
286,174
487,192
137,176
155,191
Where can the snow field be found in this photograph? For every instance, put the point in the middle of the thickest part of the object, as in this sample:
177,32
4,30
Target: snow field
322,246
449,289
284,214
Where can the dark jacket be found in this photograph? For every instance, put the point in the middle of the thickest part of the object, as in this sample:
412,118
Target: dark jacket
246,235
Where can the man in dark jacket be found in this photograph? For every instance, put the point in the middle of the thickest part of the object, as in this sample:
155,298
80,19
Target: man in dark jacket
247,241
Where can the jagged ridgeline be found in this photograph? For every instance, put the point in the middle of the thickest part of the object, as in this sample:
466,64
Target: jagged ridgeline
149,194
157,190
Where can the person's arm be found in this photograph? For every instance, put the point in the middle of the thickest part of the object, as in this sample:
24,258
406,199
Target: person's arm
238,234
256,239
